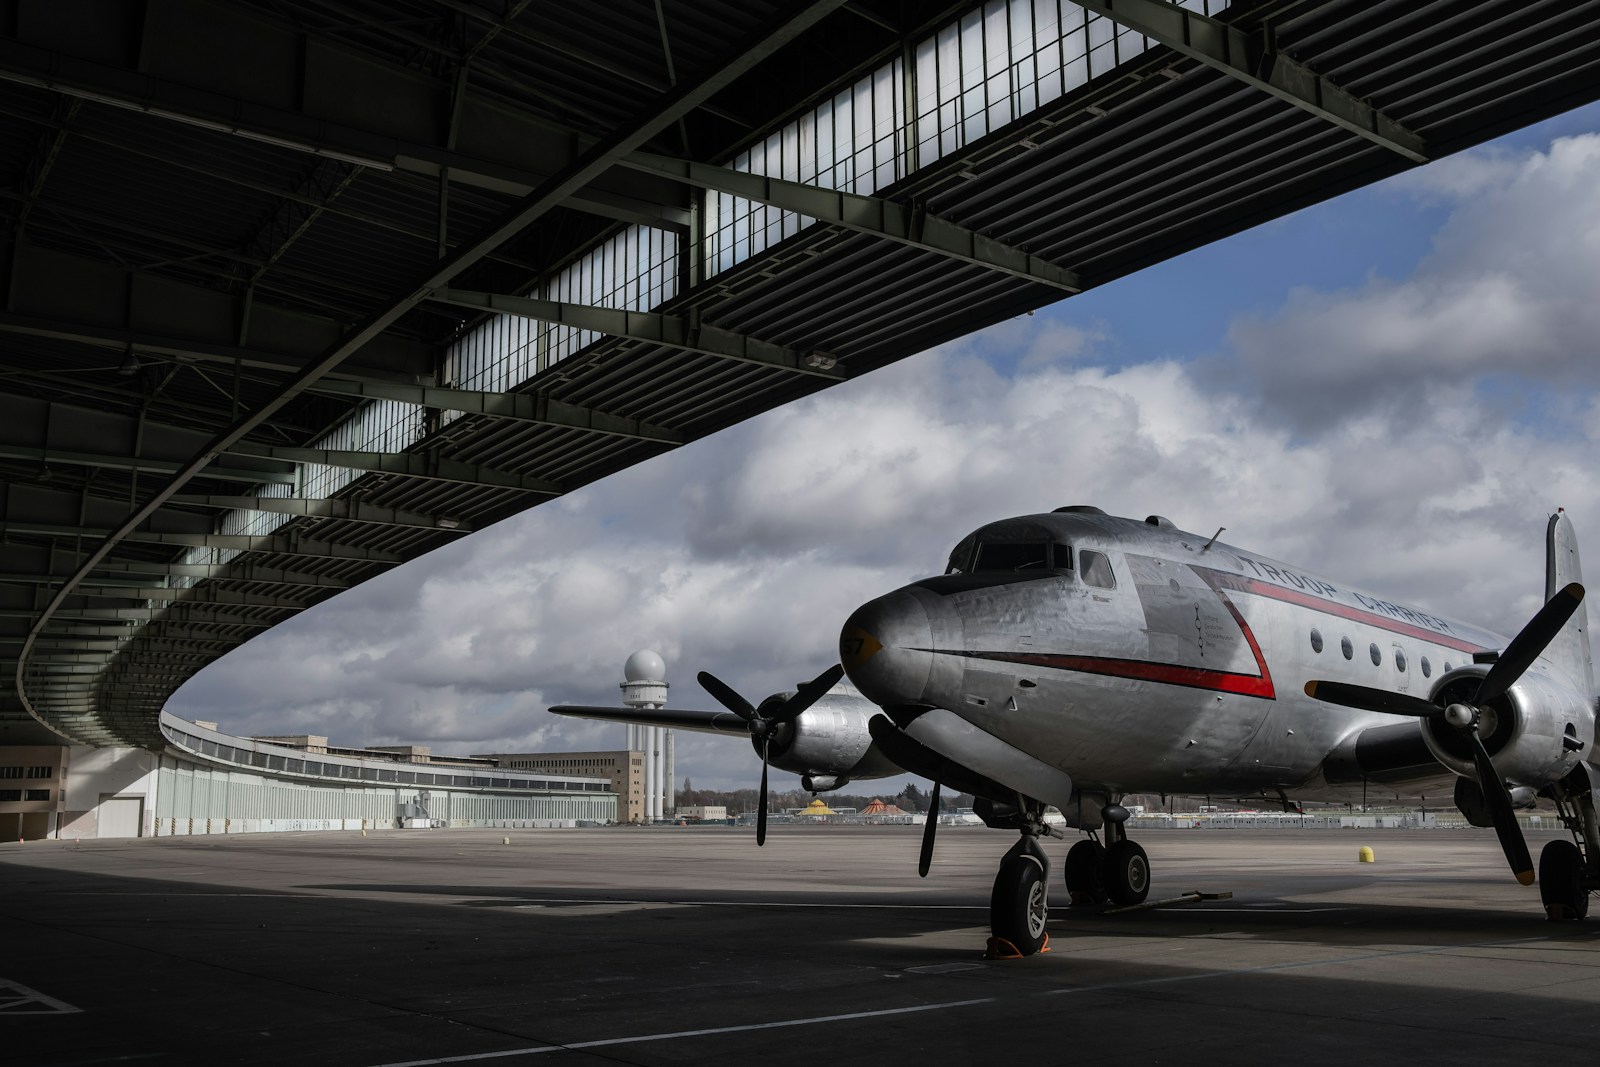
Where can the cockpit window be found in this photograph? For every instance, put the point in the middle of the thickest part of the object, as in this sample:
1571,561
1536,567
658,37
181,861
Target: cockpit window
1096,570
1007,556
1000,556
960,558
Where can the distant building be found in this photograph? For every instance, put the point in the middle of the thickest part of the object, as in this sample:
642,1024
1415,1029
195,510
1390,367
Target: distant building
624,769
703,812
203,781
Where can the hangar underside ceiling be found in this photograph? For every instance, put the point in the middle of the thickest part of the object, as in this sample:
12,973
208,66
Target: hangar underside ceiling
298,290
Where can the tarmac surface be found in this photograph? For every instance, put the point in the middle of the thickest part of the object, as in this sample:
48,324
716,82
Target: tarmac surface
688,946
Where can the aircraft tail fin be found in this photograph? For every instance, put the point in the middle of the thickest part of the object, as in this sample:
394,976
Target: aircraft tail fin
1570,650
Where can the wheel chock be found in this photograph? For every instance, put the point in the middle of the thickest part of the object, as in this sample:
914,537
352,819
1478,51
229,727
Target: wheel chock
1000,948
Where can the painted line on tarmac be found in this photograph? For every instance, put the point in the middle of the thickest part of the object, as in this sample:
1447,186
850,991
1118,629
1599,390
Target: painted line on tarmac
517,902
680,1034
18,999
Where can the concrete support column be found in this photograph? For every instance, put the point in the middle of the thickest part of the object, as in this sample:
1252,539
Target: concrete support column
655,757
649,775
672,773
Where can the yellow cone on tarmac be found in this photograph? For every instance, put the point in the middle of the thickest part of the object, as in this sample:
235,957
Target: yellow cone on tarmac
1365,855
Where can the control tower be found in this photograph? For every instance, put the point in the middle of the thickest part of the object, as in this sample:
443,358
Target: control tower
645,687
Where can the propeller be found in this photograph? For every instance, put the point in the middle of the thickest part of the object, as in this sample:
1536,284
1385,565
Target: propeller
763,722
928,828
1518,656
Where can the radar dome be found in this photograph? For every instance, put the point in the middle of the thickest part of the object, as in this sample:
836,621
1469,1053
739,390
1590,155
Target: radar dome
645,666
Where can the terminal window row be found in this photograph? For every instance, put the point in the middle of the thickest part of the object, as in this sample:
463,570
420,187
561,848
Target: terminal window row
29,772
250,758
19,794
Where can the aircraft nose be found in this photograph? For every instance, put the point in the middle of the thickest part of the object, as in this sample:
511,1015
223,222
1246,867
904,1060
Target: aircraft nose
887,646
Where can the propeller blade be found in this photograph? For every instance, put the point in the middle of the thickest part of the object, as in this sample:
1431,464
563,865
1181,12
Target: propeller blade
1360,696
928,829
1498,799
723,694
761,804
1527,645
808,693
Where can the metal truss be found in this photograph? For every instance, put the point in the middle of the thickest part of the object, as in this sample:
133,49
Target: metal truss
1254,59
685,332
909,225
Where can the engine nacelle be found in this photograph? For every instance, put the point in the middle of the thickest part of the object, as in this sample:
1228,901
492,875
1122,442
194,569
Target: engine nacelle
1533,732
828,744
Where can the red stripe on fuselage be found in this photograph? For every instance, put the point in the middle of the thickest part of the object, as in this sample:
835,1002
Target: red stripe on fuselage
1244,584
1144,671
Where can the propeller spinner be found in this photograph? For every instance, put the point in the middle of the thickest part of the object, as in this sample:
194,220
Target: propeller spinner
1518,656
764,723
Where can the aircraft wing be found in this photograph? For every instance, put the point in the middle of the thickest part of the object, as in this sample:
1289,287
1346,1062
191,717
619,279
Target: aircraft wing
711,722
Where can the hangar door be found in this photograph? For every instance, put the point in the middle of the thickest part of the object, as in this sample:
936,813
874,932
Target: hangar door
120,816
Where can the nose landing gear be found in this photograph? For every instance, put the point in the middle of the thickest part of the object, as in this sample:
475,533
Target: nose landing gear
1019,907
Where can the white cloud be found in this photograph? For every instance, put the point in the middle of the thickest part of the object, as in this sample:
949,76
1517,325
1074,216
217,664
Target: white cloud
1508,289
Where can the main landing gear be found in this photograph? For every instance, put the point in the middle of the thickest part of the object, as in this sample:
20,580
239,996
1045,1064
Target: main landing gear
1570,870
1117,872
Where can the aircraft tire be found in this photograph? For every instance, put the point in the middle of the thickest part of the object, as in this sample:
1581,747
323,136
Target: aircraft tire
1084,873
1020,904
1561,882
1127,873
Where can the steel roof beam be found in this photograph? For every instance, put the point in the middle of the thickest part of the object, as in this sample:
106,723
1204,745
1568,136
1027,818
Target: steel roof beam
428,466
113,644
271,544
231,572
196,594
425,466
523,407
684,332
183,349
1254,59
137,464
878,217
324,508
243,572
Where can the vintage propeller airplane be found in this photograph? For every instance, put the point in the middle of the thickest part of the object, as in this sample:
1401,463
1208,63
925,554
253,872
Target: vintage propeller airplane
1072,658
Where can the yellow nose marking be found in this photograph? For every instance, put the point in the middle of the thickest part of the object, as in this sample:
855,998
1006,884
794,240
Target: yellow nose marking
856,646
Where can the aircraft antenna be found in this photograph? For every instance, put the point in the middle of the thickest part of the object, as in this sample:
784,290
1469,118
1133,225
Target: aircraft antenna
1213,540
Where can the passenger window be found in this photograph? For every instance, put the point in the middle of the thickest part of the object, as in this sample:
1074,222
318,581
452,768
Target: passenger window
1096,570
1377,656
1316,640
1427,668
1347,648
1399,661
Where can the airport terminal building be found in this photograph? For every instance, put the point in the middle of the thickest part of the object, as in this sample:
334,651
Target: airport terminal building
203,781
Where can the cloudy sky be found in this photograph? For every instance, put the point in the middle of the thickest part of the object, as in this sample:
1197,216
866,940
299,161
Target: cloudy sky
1393,389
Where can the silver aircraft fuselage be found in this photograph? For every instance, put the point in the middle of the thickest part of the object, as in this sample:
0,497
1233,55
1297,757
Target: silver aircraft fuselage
1136,657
